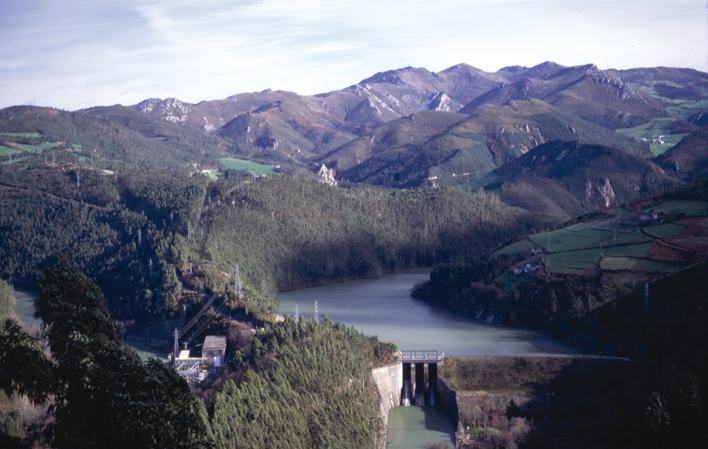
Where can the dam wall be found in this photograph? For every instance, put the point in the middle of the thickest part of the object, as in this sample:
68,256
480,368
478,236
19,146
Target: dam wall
389,382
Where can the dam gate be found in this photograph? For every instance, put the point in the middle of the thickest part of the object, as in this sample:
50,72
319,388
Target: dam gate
420,376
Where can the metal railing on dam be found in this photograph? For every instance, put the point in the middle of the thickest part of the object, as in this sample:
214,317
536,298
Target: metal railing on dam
422,355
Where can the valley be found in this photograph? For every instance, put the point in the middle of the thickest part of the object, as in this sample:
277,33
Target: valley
560,209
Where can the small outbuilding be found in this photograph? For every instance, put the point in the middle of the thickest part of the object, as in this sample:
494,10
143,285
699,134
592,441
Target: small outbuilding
214,349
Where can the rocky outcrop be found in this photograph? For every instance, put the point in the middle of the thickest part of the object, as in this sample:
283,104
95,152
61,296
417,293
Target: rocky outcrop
326,175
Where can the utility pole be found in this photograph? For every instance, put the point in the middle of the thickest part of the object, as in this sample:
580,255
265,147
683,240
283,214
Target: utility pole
176,350
317,314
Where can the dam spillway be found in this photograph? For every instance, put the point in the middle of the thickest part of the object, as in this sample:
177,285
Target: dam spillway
420,377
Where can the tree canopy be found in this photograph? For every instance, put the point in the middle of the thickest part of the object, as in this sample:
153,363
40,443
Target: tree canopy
104,395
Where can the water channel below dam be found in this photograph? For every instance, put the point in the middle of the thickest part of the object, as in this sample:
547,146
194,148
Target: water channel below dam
384,307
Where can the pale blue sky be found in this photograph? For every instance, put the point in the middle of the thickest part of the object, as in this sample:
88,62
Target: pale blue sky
73,54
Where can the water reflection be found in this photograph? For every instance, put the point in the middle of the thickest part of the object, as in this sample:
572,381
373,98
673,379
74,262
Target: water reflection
384,307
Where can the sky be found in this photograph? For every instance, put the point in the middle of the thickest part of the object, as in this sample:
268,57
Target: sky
73,54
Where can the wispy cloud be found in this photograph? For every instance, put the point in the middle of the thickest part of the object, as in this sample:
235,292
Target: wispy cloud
77,53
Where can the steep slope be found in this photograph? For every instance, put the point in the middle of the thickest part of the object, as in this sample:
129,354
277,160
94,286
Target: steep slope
584,91
288,128
396,133
567,179
689,159
468,149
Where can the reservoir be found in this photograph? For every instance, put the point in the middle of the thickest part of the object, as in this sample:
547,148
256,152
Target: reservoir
384,307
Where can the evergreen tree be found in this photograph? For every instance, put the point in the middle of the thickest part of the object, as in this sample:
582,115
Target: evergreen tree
104,395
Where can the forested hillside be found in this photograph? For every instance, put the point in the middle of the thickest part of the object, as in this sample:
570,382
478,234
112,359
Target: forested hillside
150,238
569,179
313,390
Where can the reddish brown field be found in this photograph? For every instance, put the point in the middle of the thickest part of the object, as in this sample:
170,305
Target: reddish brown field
694,237
670,253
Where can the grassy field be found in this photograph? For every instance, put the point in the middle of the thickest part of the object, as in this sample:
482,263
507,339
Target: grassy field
564,240
4,151
608,243
241,164
686,109
692,208
582,260
36,148
664,230
652,130
639,264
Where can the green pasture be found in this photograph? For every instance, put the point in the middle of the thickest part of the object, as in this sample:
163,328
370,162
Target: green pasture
664,230
669,142
4,151
639,264
653,129
241,164
692,208
581,260
687,109
564,240
37,148
524,246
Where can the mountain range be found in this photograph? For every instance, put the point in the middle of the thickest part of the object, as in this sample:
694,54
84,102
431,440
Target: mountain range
412,127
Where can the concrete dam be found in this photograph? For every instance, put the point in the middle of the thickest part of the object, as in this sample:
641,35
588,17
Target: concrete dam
413,380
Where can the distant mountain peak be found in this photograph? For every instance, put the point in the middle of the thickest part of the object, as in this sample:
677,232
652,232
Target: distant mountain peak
146,105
